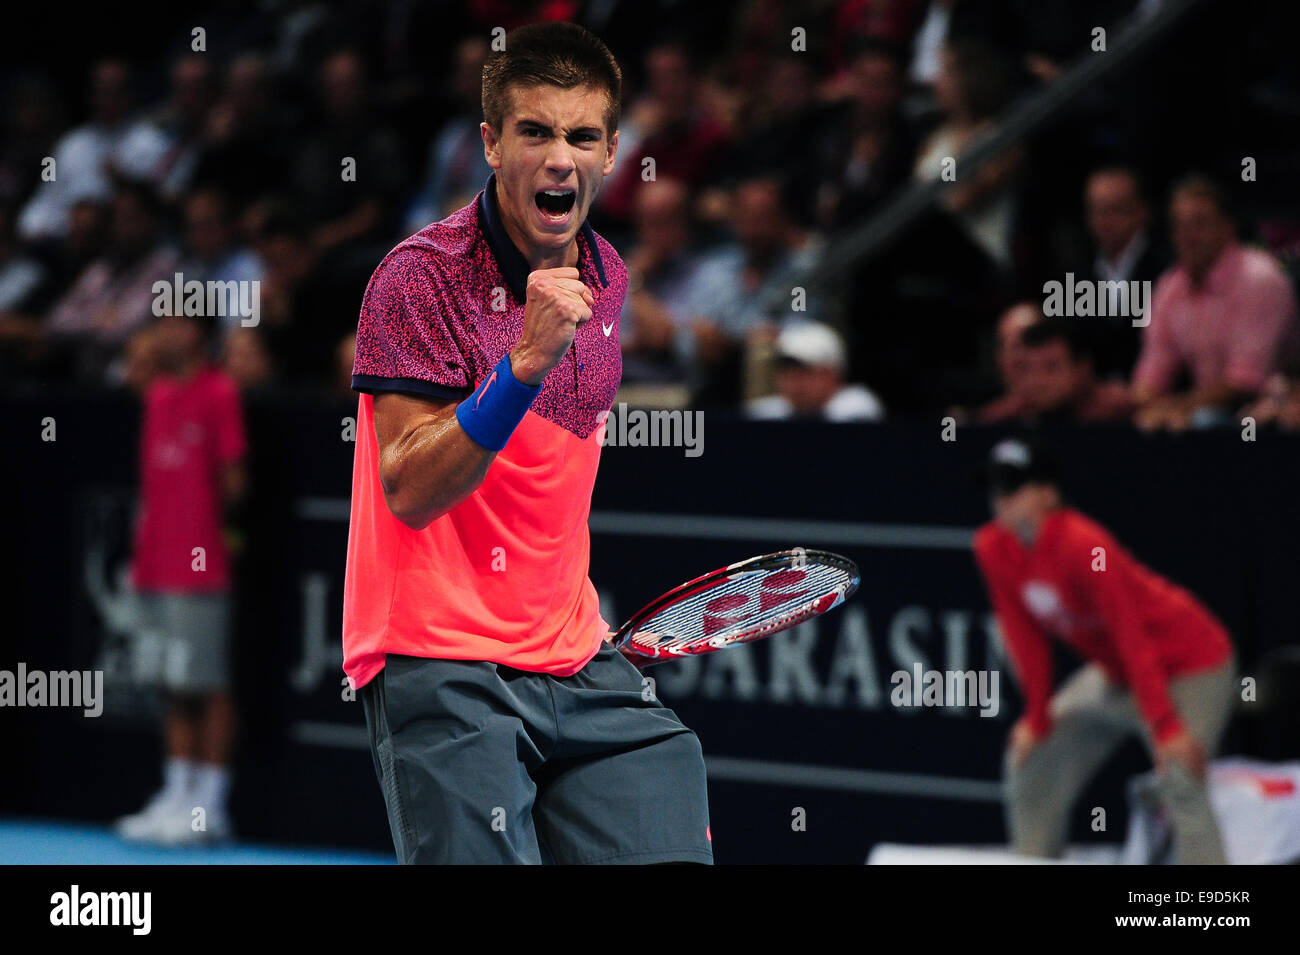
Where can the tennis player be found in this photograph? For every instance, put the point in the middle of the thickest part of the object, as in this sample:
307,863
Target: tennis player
503,725
1157,662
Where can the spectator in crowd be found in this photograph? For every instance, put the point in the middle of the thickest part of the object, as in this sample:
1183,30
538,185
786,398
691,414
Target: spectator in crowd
246,359
192,469
667,125
868,153
182,123
21,275
211,253
88,236
115,294
655,327
457,166
1118,221
973,85
810,369
345,213
929,41
892,22
1225,315
779,123
303,313
1060,379
31,122
248,138
85,158
745,285
1012,363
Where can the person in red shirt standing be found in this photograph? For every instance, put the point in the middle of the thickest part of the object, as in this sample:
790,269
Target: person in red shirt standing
1157,661
191,462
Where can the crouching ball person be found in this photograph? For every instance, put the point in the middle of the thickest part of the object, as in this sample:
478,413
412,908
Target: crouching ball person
1157,662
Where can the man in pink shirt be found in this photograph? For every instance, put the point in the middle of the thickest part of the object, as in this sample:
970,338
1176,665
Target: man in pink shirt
1224,316
191,466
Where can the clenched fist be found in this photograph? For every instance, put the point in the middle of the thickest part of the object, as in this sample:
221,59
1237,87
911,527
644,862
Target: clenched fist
557,303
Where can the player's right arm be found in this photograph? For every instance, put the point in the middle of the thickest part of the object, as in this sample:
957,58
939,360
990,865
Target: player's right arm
428,463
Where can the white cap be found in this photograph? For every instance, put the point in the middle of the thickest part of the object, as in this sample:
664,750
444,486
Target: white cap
811,343
1012,453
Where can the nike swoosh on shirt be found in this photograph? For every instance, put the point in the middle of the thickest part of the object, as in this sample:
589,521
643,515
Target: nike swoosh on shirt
608,328
486,386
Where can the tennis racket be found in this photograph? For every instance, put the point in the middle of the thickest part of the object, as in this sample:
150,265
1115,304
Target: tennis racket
741,603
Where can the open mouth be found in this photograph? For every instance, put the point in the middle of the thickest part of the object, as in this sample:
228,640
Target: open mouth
555,203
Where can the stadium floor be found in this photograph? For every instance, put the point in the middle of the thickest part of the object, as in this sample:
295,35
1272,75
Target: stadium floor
42,842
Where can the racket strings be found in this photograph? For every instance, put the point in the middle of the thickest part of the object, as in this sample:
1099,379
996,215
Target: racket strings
684,623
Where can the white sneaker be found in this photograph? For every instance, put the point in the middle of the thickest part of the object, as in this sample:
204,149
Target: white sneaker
176,828
139,826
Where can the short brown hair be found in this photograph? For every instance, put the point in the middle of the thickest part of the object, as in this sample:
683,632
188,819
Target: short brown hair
551,54
1203,187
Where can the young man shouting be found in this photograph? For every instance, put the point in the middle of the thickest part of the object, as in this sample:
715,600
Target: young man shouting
503,726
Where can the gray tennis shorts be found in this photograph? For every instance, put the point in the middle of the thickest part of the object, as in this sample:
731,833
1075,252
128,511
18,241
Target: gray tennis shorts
192,634
483,763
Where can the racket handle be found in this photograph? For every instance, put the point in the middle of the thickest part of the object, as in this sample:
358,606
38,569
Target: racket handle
637,660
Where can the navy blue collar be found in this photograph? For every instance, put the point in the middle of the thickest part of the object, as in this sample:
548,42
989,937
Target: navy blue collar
513,265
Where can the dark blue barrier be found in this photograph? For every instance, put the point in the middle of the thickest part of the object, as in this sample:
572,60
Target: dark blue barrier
801,722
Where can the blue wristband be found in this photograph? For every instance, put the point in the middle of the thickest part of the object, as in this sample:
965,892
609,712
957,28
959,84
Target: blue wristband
491,414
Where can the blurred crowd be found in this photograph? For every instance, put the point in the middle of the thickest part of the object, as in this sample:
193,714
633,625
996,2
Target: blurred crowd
229,165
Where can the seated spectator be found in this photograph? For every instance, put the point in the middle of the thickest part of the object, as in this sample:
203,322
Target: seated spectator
973,86
1060,380
1012,364
668,125
1224,315
869,152
661,267
21,275
1118,220
22,279
182,123
457,167
85,158
114,296
745,285
780,122
248,135
306,308
810,367
211,253
344,214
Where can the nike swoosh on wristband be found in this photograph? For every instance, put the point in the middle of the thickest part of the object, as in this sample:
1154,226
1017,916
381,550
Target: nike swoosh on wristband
486,386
